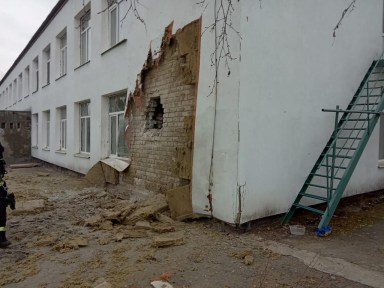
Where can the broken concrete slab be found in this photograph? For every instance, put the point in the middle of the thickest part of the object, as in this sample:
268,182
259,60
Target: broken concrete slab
29,205
106,171
119,216
95,175
168,240
135,234
161,284
24,165
143,225
71,243
162,228
149,208
117,164
180,202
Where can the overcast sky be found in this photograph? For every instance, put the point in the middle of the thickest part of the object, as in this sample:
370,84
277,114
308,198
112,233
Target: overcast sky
19,20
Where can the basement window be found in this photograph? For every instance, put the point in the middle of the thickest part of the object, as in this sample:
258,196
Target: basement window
155,112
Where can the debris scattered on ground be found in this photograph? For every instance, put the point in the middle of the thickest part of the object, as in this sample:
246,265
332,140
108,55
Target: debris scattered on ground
105,284
168,240
143,225
42,174
71,243
161,284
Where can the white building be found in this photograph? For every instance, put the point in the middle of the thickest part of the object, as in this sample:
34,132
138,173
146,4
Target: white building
255,135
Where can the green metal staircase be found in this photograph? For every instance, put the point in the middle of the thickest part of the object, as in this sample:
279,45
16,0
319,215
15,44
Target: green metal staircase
328,178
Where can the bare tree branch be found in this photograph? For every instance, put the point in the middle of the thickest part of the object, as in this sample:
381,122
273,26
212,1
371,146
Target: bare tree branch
348,10
222,26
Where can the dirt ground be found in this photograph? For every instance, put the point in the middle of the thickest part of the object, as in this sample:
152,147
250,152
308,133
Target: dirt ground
66,233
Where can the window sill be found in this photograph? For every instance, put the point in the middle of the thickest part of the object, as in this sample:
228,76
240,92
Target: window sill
46,149
83,155
61,77
45,85
114,46
380,163
63,152
35,147
35,91
82,65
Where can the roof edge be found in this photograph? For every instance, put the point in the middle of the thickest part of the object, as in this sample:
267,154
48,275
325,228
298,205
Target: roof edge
55,10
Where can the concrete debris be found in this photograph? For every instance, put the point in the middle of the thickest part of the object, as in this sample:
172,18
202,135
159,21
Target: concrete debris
93,221
164,219
24,165
46,240
162,227
42,174
168,240
29,205
135,234
248,260
73,243
241,254
180,202
153,205
161,284
119,237
119,216
105,284
143,225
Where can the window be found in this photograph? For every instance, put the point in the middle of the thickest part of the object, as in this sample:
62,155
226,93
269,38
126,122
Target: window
113,19
85,34
14,96
26,84
117,126
47,122
35,64
6,97
63,128
85,127
63,54
35,129
47,64
20,87
10,94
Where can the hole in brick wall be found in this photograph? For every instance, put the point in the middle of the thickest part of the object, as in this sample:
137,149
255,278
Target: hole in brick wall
18,125
155,112
2,125
11,125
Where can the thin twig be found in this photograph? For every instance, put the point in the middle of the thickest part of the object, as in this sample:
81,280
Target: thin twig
348,10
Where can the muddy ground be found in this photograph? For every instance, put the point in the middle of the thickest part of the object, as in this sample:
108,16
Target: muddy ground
66,233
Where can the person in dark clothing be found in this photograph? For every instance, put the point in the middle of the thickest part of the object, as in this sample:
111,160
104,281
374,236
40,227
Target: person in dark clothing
4,201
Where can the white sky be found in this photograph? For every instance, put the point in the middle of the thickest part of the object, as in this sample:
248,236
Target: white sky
19,20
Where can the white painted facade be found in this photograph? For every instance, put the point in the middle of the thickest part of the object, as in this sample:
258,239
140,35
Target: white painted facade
269,128
263,123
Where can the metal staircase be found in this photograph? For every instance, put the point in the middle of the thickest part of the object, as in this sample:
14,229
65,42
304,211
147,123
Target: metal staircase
328,178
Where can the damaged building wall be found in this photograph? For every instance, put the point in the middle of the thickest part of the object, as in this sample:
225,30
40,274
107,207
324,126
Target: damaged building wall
15,135
161,113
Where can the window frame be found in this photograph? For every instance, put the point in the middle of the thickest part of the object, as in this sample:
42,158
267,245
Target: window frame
63,55
85,32
113,7
85,141
116,115
61,125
